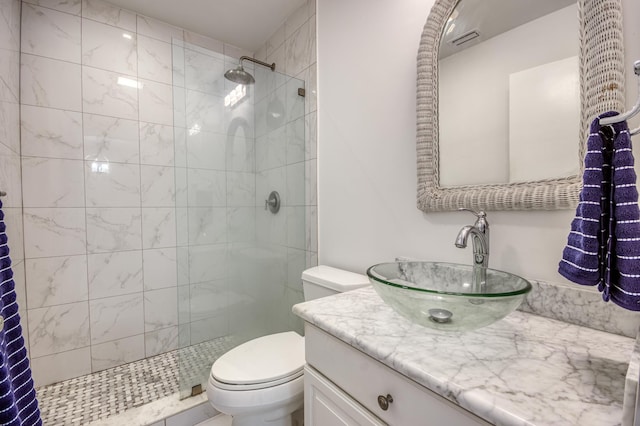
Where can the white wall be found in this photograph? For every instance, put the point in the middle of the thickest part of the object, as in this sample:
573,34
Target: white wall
367,162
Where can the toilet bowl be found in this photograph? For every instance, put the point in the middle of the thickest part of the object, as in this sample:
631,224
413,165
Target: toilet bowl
261,381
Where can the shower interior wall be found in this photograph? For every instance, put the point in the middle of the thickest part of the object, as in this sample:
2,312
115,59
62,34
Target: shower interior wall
110,252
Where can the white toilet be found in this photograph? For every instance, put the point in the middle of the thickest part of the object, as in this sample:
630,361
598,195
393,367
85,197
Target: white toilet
260,382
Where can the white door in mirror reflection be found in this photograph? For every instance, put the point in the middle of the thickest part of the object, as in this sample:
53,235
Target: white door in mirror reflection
544,115
509,105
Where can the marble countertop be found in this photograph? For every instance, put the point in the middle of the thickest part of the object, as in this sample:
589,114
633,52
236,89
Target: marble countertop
522,370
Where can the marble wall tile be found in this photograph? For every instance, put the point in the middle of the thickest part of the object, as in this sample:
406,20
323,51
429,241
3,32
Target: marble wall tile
158,227
180,107
156,102
10,126
113,229
241,189
207,263
241,224
207,225
271,150
184,306
109,48
295,103
204,111
51,133
10,25
156,144
158,186
182,226
117,352
178,71
160,309
206,150
270,180
106,93
203,44
295,136
58,328
66,365
56,280
110,139
239,118
208,299
209,328
68,6
296,262
9,75
311,182
311,225
240,154
294,21
180,146
105,12
52,182
207,188
161,341
154,60
10,178
276,40
15,234
182,263
294,195
49,33
205,73
271,228
50,83
159,30
54,232
115,273
117,317
160,268
117,186
311,136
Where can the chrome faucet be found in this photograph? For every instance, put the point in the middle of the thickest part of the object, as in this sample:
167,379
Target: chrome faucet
479,232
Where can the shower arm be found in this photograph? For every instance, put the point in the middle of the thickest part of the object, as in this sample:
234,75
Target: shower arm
264,64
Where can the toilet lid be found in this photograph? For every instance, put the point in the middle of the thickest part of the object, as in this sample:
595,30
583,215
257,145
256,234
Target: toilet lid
261,360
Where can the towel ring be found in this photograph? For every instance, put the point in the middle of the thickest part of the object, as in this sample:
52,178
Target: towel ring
633,111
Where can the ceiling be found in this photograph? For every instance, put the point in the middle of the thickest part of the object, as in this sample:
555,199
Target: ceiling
247,24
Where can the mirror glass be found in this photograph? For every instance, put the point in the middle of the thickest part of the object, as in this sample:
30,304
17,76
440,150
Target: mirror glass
509,92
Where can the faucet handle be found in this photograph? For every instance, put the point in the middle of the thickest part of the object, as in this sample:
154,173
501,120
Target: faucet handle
479,214
481,223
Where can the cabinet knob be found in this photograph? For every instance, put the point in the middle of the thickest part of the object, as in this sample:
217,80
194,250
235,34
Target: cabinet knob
384,401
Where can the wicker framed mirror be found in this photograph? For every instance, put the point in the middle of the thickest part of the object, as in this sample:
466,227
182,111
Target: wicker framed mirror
601,80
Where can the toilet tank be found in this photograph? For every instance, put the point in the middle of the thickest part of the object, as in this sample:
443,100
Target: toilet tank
321,281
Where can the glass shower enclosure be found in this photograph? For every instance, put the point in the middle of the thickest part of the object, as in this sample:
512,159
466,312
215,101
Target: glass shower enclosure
239,258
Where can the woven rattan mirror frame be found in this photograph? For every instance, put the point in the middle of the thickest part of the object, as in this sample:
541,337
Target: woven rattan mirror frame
601,89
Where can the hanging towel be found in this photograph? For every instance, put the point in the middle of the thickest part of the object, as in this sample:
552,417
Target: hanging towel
583,257
18,404
603,246
622,277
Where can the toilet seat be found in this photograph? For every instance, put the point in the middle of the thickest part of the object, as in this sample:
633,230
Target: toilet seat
260,363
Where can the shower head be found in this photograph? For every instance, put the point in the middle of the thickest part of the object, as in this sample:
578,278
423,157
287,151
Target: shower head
240,76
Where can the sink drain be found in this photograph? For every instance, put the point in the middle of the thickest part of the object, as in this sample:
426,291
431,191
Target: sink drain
440,315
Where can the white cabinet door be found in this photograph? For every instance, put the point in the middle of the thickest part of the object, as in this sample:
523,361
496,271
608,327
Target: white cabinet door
326,405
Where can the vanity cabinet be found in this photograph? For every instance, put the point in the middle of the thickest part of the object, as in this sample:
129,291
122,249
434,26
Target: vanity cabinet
344,386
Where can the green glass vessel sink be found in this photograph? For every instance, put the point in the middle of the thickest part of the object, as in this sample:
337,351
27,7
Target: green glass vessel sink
448,296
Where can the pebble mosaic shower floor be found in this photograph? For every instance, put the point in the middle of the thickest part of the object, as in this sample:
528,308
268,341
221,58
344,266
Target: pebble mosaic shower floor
104,394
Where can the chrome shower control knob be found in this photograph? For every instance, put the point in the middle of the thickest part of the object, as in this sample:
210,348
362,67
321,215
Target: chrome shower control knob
385,401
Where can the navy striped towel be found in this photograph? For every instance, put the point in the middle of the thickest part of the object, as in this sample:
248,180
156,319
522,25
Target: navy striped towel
18,404
603,246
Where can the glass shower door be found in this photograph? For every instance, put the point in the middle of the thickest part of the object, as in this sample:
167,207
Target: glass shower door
235,144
